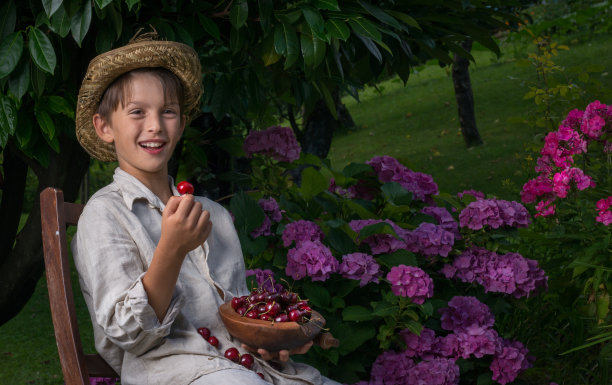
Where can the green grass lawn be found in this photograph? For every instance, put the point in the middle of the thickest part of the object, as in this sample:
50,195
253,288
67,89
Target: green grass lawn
416,123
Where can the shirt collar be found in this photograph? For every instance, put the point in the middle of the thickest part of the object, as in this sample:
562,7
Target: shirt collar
132,189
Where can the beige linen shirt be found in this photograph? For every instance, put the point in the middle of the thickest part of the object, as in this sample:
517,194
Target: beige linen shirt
116,237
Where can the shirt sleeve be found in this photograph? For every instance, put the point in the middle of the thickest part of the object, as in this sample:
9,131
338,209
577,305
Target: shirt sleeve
111,268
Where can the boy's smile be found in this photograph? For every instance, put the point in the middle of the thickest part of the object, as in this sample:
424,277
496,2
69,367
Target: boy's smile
145,130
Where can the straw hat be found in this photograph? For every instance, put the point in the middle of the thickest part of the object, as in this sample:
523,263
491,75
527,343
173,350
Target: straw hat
140,52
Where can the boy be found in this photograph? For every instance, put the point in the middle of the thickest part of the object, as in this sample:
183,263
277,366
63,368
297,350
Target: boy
152,266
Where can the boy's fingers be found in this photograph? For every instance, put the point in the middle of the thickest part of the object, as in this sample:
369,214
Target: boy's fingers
195,213
185,204
172,204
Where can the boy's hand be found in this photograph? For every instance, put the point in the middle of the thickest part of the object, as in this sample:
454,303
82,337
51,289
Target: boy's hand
282,355
185,225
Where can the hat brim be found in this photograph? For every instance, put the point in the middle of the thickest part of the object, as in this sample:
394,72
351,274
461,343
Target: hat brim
178,58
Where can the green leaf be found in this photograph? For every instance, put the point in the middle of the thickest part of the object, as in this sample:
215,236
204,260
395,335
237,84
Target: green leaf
313,50
315,21
80,22
331,5
266,8
131,3
51,6
45,122
371,47
104,38
41,50
209,26
380,14
329,99
357,313
396,193
102,3
313,183
248,215
358,209
10,52
59,105
8,18
338,29
365,28
317,294
355,169
378,228
286,43
399,257
197,153
8,119
352,336
116,20
384,309
60,22
239,13
183,35
405,18
23,133
19,80
340,241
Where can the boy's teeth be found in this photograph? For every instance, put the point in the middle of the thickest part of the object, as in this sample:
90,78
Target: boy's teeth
151,144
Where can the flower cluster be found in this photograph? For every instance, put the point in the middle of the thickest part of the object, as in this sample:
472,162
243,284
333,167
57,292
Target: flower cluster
605,213
391,368
410,281
272,213
476,194
438,371
311,259
444,218
380,243
429,239
265,279
389,169
494,213
510,361
300,231
359,190
276,142
466,315
509,273
360,266
557,174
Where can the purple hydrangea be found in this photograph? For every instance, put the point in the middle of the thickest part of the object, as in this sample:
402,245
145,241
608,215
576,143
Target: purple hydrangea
312,259
421,346
380,243
412,282
264,229
467,315
481,345
494,213
429,239
391,368
360,266
388,169
265,279
511,359
444,218
438,371
447,346
476,194
276,142
300,231
509,273
360,190
271,208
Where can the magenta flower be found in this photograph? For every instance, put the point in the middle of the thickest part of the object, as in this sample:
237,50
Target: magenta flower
380,243
388,169
276,142
466,315
312,259
438,371
511,359
444,218
300,231
264,229
360,266
481,345
494,213
476,194
271,208
410,281
265,279
391,368
604,212
421,346
429,239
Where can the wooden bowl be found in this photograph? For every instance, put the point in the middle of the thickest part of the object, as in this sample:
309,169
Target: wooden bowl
272,336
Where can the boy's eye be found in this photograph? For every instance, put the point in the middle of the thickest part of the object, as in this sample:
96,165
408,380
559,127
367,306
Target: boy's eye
169,111
136,112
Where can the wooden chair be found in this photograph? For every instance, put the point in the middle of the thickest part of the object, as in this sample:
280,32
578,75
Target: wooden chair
55,215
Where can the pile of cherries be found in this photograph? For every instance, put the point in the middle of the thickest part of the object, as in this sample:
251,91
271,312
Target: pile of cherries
283,306
232,353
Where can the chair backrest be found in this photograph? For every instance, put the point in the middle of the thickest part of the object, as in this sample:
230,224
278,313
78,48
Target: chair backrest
55,215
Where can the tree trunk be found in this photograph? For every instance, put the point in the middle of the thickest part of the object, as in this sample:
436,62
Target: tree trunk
465,98
319,129
21,261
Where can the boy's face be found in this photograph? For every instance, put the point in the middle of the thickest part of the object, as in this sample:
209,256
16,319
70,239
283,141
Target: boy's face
145,130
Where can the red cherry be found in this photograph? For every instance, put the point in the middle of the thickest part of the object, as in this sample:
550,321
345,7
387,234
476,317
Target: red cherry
247,360
213,341
237,302
241,310
252,314
184,188
295,315
232,354
265,317
204,332
281,318
273,308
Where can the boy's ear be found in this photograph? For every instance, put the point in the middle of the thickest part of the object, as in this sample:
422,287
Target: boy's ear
103,128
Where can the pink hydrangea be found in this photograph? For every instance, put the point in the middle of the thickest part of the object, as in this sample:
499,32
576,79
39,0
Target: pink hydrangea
311,259
429,239
511,359
388,169
380,243
438,371
480,345
421,346
467,315
300,231
412,282
444,218
391,368
360,266
276,142
447,346
494,213
604,212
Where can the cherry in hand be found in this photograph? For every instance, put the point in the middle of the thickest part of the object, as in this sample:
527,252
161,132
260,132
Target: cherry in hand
185,187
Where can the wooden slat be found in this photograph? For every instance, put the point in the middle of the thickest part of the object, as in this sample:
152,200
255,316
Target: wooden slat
55,214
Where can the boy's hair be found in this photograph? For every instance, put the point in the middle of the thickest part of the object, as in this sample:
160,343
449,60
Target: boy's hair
119,91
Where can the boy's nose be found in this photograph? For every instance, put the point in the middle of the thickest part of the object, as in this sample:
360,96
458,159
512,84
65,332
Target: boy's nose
154,124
